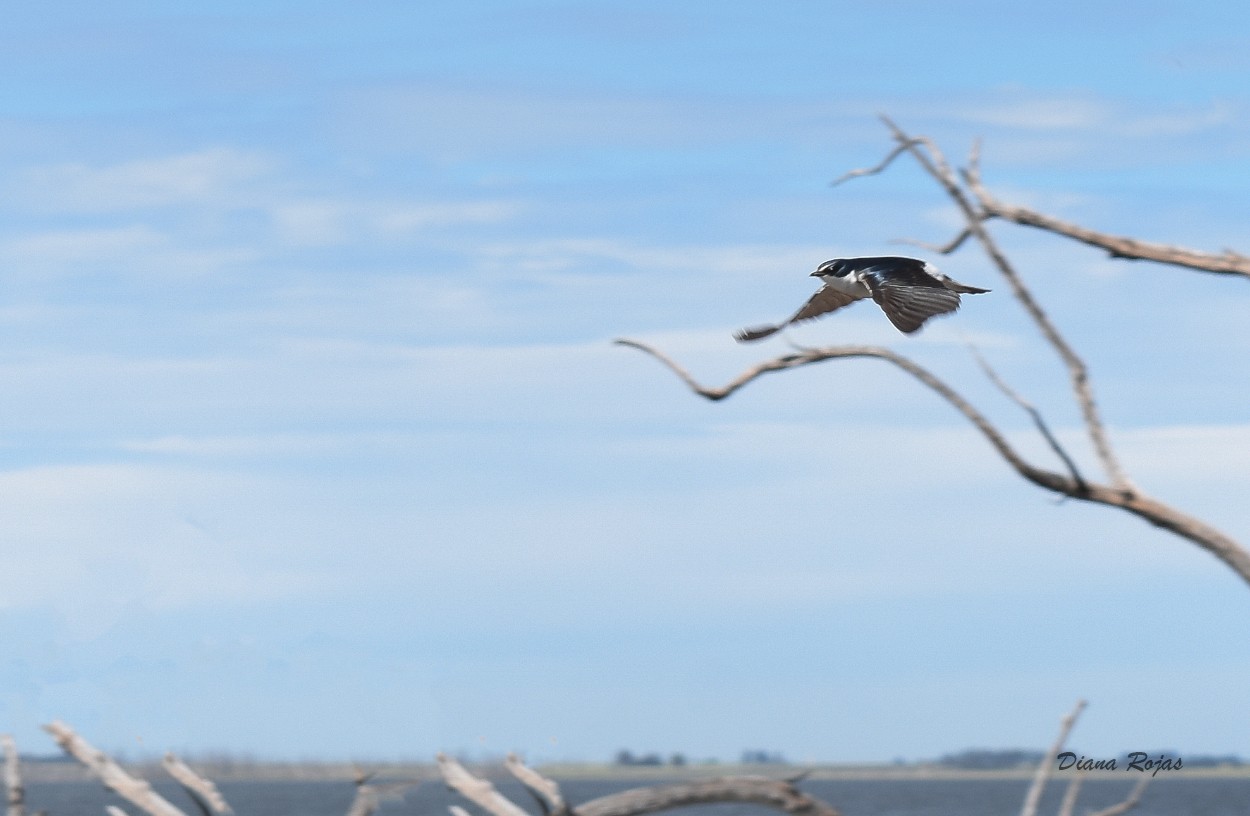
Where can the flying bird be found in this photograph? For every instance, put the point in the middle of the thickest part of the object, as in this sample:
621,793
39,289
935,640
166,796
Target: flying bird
908,290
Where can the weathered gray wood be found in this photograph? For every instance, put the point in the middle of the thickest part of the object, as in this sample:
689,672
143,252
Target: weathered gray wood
544,790
475,789
1068,806
15,794
1044,767
365,802
134,790
200,789
756,790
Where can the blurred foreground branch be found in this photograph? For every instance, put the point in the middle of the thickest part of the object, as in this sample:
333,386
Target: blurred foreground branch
771,793
134,790
1034,796
201,790
15,794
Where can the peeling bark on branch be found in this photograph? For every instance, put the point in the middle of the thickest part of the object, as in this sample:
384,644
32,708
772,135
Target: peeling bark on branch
756,790
134,790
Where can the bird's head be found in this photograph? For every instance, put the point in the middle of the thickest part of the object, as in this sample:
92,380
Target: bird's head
833,268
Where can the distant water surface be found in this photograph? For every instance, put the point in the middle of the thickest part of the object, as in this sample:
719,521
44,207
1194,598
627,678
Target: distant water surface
1164,797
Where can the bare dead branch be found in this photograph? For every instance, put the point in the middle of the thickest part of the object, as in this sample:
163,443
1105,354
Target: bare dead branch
114,810
1120,493
134,790
1038,421
817,355
1068,806
365,802
1044,767
1226,263
477,790
940,249
715,394
870,171
456,810
934,163
757,790
1133,800
15,794
1137,503
201,789
545,791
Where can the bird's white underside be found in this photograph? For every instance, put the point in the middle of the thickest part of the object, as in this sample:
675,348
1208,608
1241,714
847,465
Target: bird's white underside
852,285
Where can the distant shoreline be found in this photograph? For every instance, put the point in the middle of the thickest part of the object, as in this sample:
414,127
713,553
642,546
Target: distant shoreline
46,772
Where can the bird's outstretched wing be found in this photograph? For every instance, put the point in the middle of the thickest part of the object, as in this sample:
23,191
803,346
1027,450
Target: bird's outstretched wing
824,301
909,305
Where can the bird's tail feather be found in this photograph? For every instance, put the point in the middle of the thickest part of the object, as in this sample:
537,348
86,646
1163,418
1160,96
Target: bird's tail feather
964,289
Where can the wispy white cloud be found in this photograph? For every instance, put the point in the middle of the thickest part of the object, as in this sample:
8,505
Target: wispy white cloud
77,245
225,446
328,221
134,249
1038,112
197,178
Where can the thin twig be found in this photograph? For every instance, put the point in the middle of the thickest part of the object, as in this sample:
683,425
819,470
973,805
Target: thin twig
716,394
870,171
1034,795
940,249
1133,800
1038,421
1139,504
817,355
934,163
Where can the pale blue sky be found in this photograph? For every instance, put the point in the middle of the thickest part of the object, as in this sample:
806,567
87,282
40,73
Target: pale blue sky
314,443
